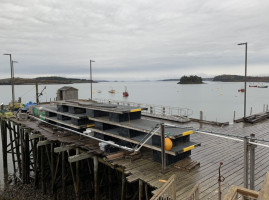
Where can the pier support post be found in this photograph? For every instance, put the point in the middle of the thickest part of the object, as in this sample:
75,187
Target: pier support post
140,190
27,156
4,150
163,148
77,174
12,148
63,176
43,184
123,186
109,183
246,144
95,171
252,163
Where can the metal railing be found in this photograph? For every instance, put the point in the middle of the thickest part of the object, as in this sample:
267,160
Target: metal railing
153,109
194,193
167,191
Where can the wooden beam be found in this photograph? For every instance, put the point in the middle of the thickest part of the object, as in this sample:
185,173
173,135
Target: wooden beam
34,136
43,143
79,157
63,148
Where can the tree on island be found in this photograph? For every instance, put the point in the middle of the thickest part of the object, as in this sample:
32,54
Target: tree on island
190,80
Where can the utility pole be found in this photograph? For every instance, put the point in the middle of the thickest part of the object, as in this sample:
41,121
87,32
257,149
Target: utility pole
91,75
11,79
245,95
36,92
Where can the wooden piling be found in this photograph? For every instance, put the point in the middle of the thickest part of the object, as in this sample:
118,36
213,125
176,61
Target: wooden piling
140,197
123,186
63,177
27,156
95,171
12,148
43,184
4,150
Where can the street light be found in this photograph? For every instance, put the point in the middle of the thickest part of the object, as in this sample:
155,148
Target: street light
245,95
91,75
11,80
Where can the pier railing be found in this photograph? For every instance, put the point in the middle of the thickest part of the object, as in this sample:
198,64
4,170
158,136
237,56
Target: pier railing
153,109
167,191
194,193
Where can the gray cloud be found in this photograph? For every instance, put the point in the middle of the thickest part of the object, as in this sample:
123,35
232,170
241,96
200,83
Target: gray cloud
133,39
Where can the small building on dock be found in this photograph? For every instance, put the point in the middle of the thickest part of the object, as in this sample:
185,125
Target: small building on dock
67,93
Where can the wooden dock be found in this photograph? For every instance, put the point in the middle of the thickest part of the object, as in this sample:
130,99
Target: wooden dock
142,170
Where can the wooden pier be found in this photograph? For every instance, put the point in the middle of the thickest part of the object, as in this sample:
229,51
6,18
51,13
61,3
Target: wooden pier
72,166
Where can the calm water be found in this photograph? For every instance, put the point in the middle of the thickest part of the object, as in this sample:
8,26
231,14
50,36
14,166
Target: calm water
217,100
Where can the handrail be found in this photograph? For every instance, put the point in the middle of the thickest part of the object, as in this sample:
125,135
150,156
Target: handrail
153,109
164,191
194,193
236,191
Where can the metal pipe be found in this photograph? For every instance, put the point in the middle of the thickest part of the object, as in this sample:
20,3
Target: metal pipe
245,80
108,142
252,163
91,75
246,162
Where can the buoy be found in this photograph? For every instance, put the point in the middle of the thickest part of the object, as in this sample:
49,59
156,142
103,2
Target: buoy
168,144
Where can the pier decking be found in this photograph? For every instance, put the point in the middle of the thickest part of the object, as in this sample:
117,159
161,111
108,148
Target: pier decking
212,151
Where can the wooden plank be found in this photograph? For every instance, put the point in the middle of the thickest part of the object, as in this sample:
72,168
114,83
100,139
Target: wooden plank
63,148
79,157
34,136
44,142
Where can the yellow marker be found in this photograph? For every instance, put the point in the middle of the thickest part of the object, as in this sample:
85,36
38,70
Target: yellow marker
187,133
188,148
136,110
90,125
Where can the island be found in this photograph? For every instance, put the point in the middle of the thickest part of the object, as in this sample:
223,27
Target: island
44,80
190,80
238,78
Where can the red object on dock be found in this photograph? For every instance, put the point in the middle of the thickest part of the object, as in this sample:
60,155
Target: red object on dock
253,86
241,90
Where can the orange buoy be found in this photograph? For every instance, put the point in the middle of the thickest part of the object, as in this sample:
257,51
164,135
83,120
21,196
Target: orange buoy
168,144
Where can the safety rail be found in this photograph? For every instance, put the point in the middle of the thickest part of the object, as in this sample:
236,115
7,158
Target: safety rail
236,192
194,193
167,191
153,109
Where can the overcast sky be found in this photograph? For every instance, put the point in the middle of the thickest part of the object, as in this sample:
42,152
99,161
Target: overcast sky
133,39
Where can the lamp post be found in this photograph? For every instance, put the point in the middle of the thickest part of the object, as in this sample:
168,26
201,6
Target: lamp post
13,82
91,75
245,95
11,75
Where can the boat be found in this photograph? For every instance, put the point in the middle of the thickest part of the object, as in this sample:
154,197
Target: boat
241,90
125,93
112,91
253,86
263,86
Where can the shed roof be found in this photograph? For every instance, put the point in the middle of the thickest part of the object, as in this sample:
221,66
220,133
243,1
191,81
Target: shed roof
67,88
